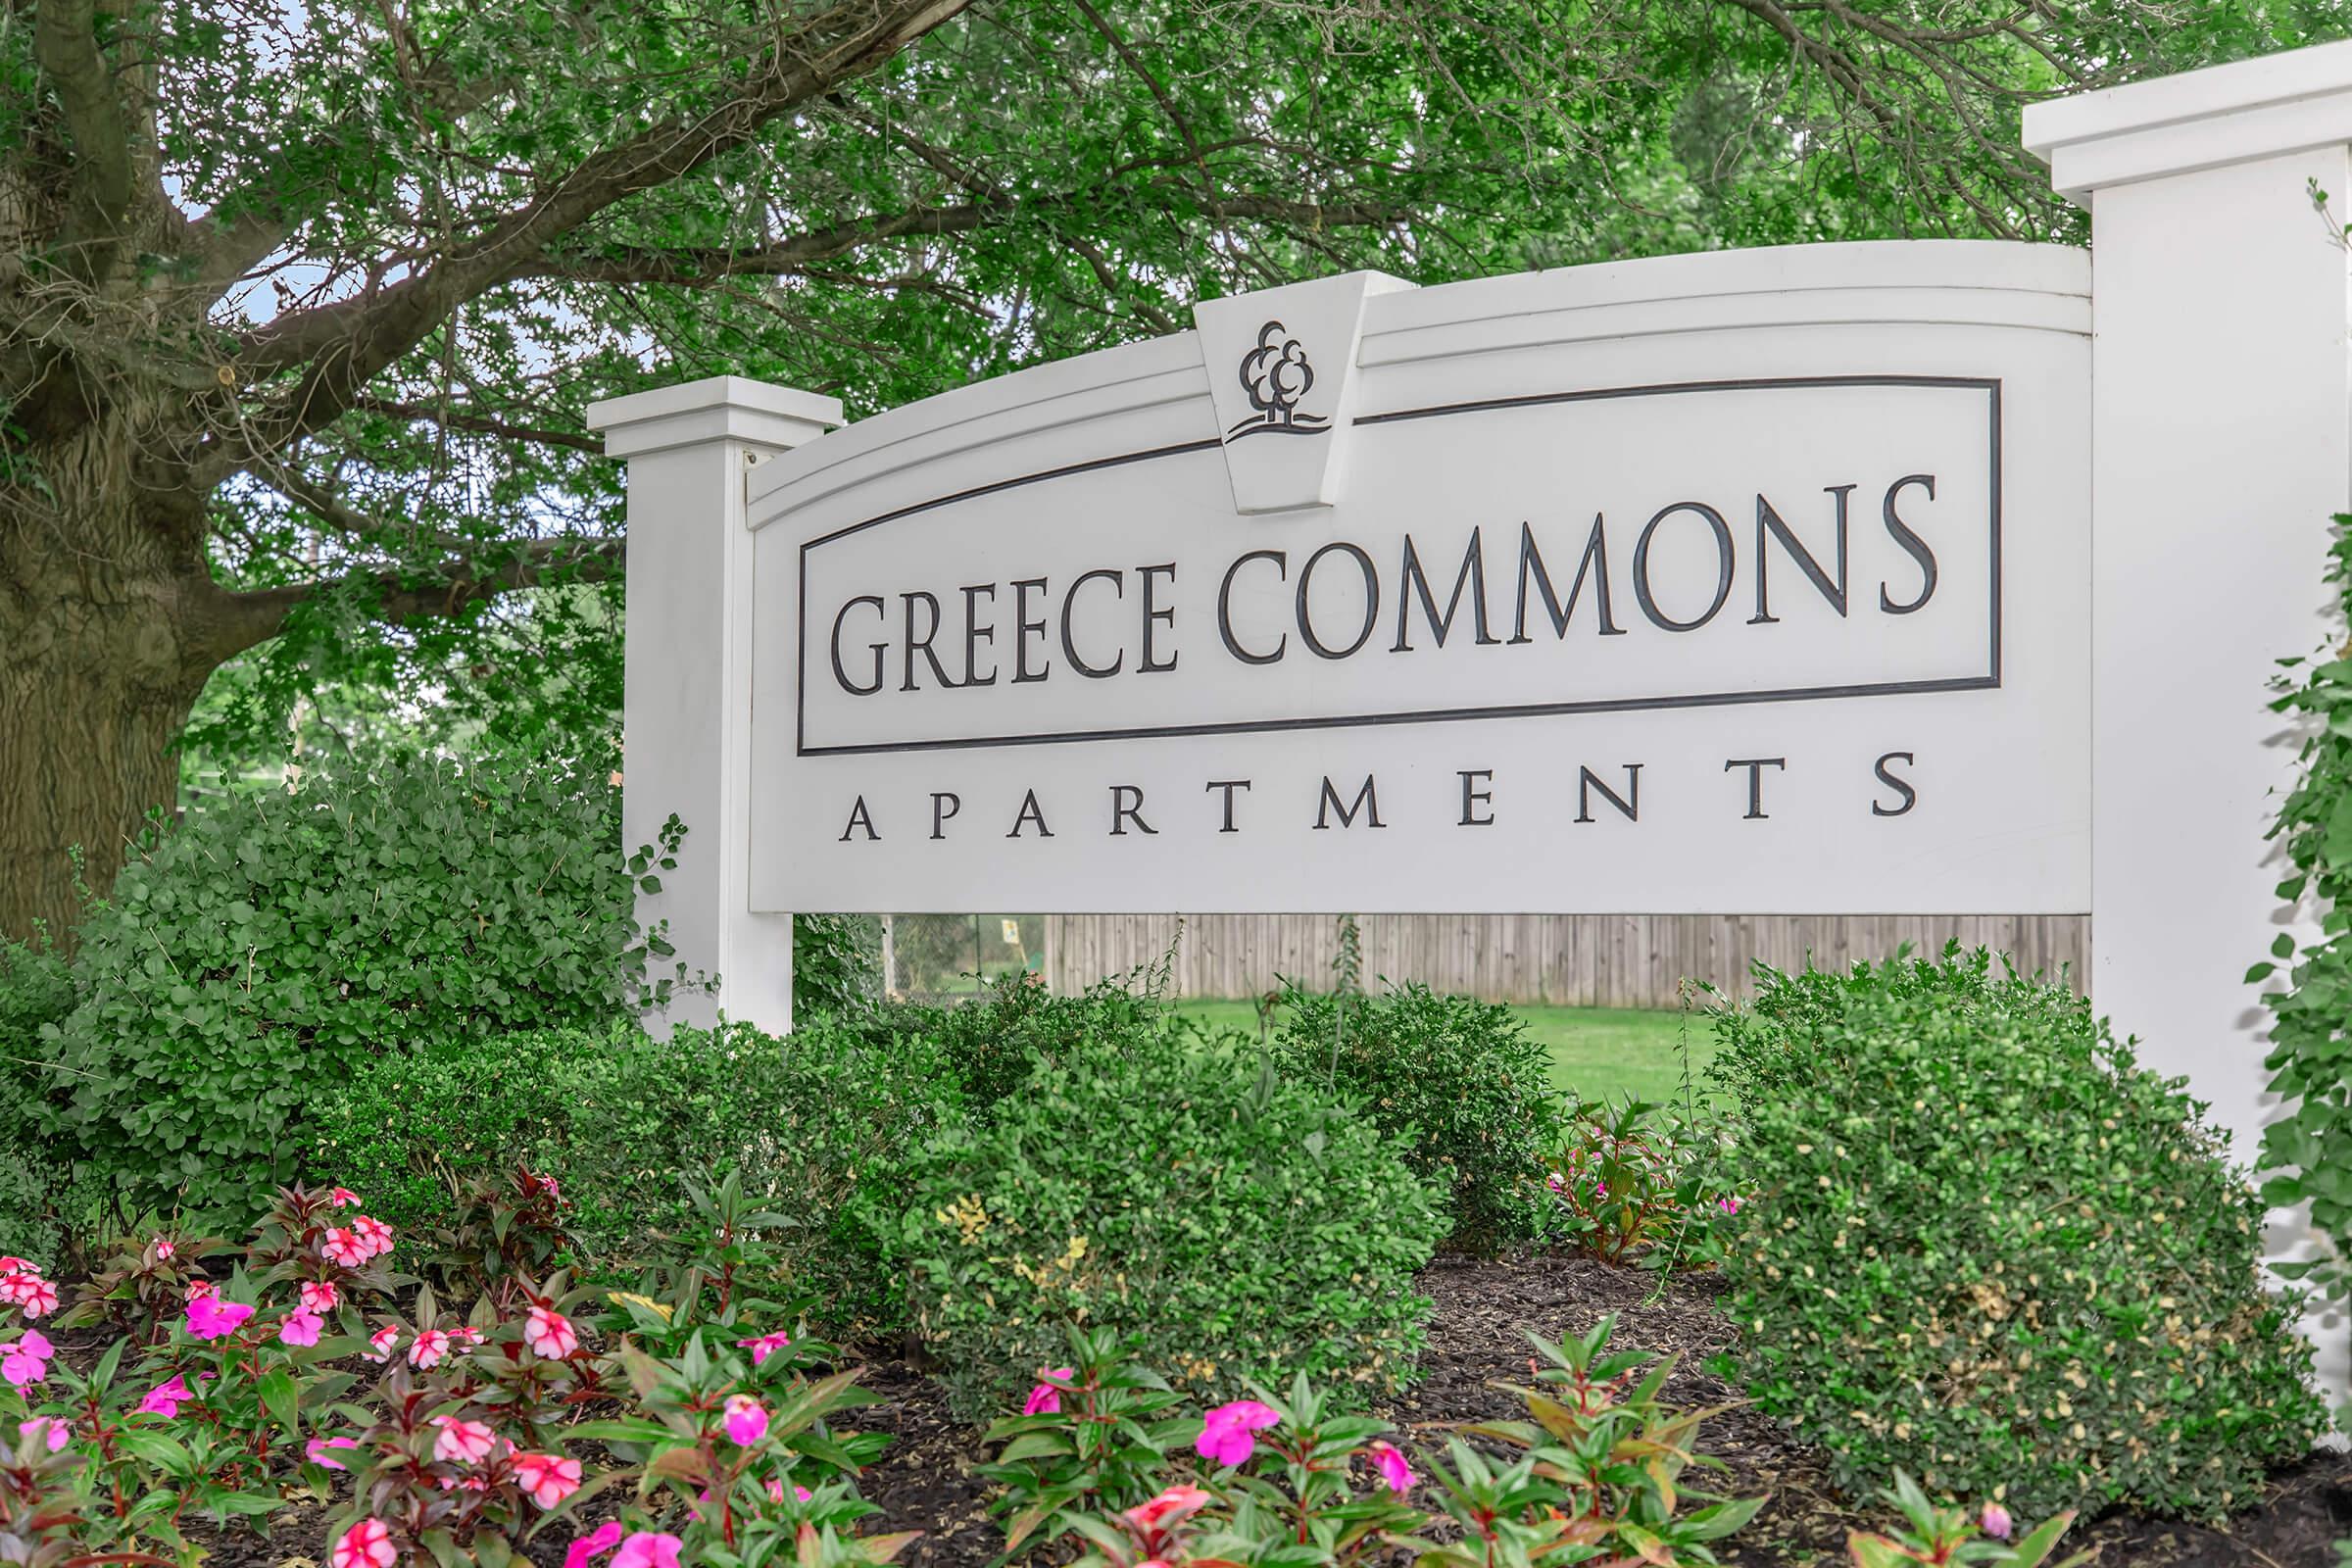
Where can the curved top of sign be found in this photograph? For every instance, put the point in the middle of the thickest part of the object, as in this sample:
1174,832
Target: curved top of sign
1316,359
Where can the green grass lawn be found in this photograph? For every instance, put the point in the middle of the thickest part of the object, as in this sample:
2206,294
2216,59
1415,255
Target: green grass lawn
1595,1051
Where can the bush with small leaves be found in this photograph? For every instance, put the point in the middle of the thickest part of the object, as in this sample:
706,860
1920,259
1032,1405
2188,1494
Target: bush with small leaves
1229,1224
1984,1245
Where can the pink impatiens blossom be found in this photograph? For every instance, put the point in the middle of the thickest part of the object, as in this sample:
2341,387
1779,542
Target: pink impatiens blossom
165,1399
316,1449
211,1318
1392,1466
603,1539
27,1360
381,1343
366,1545
199,1289
463,1442
775,1490
647,1549
550,1334
764,1346
41,1298
547,1477
1996,1521
56,1437
1225,1433
1730,1202
373,1234
318,1296
301,1327
1177,1502
746,1420
431,1347
163,1248
343,1197
1045,1398
344,1249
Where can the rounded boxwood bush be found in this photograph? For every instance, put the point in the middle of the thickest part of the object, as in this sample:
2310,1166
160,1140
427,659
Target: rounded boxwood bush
1983,1246
1232,1224
271,943
1457,1080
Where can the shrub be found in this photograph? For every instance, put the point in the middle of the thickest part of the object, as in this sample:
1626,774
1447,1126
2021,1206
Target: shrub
1986,1248
1229,1225
835,968
994,1044
1457,1080
815,1124
35,989
272,944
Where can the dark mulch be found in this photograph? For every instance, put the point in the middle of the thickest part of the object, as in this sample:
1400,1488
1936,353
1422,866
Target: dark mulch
1476,1337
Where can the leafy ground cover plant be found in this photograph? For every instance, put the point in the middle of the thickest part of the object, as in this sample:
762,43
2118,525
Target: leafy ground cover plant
1985,1247
1228,1225
1940,1534
1456,1080
1092,1437
1633,1179
271,945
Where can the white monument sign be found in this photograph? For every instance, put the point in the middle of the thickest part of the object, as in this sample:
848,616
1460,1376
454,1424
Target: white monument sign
1729,582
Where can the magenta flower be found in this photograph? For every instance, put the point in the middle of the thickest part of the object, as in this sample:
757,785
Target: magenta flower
56,1437
165,1399
366,1545
775,1490
746,1420
1996,1521
1730,1202
1045,1398
381,1343
764,1346
463,1442
603,1539
646,1549
1391,1467
1225,1433
548,1478
211,1318
318,1296
550,1334
27,1360
301,1327
431,1347
315,1451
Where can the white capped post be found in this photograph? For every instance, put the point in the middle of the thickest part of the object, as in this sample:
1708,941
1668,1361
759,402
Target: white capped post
688,712
2221,436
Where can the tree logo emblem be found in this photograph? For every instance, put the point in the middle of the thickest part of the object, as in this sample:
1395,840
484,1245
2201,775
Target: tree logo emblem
1276,375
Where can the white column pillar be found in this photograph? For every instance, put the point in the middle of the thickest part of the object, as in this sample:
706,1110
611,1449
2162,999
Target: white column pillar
2222,432
687,724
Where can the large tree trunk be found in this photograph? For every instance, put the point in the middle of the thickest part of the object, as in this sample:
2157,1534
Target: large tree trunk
103,650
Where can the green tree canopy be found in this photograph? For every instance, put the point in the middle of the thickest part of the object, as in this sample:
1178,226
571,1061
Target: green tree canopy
300,303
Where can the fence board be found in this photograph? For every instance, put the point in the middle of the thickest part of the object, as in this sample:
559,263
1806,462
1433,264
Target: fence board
1604,961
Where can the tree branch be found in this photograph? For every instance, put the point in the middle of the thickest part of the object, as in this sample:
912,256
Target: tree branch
479,423
64,44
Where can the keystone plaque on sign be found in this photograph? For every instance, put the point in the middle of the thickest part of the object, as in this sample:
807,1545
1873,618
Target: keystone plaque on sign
1760,587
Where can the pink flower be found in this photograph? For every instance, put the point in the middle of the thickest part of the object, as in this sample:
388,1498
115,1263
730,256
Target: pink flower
1151,1518
27,1360
465,1334
1045,1398
1556,1182
57,1437
1996,1521
775,1490
1391,1467
550,1334
1225,1434
211,1318
764,1346
366,1545
345,1249
163,1248
746,1420
13,1264
381,1343
315,1451
318,1297
343,1197
373,1234
1730,1202
301,1327
431,1347
165,1399
199,1289
603,1539
463,1442
16,1284
548,1478
646,1549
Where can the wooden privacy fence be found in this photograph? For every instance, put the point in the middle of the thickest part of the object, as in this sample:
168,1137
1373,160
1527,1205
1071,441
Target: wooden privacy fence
1589,961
